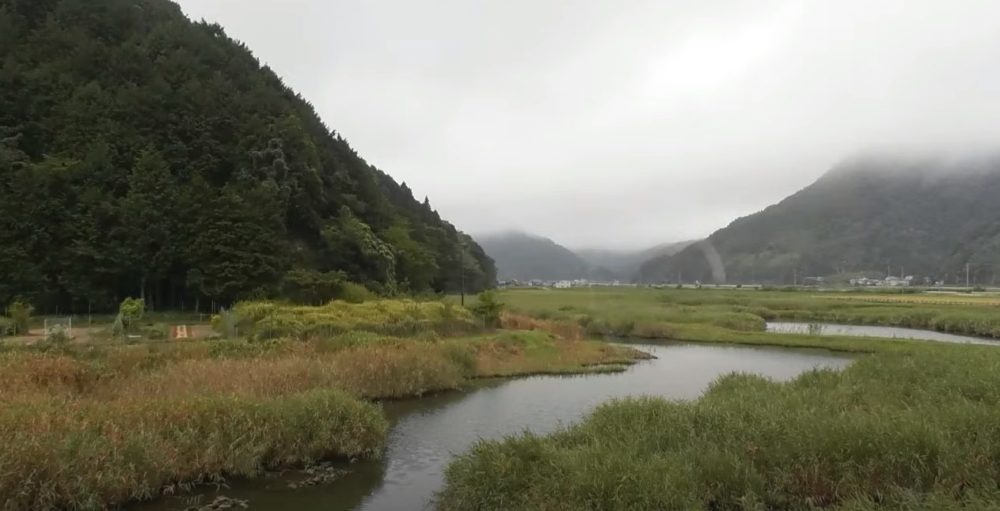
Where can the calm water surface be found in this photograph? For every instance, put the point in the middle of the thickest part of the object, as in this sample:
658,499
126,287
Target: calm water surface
427,432
890,332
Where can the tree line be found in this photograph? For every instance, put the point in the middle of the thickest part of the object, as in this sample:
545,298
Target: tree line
142,154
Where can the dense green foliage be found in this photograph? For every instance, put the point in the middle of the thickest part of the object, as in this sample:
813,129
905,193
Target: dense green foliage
909,425
145,155
927,219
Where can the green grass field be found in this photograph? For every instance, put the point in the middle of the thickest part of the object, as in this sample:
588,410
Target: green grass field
909,425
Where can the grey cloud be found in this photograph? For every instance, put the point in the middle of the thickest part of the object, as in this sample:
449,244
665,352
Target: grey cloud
627,123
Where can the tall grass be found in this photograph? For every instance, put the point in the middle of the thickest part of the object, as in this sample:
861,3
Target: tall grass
659,312
270,320
89,454
893,431
96,426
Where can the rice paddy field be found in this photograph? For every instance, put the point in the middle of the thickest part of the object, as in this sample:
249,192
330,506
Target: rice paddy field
909,425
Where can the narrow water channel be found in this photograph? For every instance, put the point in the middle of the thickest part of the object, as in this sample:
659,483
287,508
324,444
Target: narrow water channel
887,332
427,432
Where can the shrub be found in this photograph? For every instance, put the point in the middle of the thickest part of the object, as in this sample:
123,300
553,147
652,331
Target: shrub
7,327
313,287
58,337
488,307
266,320
20,314
130,313
355,293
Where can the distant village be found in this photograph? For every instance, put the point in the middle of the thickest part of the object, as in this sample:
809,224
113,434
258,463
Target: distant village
563,284
891,281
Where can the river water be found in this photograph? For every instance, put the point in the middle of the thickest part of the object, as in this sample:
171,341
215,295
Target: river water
889,332
427,432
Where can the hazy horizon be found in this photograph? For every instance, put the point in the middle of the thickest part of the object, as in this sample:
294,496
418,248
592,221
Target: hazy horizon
626,126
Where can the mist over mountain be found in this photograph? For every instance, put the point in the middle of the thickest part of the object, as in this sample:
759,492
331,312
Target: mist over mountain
872,215
522,256
624,264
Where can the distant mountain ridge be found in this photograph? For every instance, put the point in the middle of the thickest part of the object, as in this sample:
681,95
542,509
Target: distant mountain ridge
624,264
874,215
522,256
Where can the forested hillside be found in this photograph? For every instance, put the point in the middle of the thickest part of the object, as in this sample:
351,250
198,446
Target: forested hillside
927,218
142,153
521,256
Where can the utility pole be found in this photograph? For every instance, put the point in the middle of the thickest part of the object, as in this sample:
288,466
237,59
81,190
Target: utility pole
966,274
461,269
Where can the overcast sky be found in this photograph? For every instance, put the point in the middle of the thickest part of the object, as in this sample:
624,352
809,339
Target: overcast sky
622,124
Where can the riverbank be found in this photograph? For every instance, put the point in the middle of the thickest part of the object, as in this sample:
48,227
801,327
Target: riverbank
910,425
92,427
426,433
740,315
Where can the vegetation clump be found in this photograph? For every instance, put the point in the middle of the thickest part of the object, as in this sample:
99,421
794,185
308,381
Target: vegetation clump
19,314
92,453
488,308
270,320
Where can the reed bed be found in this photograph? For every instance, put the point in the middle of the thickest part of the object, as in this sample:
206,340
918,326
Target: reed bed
88,454
919,430
651,313
271,320
911,425
90,427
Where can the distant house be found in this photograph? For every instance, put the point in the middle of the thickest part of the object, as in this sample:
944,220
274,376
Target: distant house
563,284
897,282
887,282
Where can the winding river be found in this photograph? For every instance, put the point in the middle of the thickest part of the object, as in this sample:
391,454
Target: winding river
427,432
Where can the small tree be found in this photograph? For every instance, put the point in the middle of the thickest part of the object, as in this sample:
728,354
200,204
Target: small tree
130,313
20,314
489,308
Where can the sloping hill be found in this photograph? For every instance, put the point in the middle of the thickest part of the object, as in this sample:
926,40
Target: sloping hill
142,153
927,218
624,264
521,256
